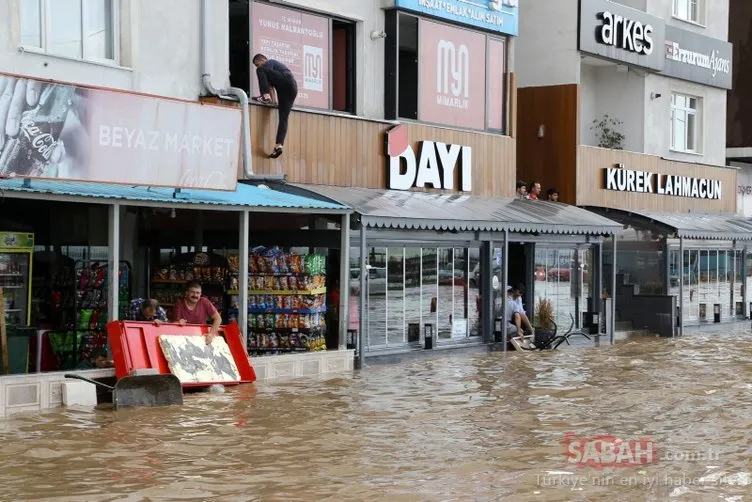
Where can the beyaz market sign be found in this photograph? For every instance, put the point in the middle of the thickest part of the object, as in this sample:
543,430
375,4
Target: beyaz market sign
501,16
436,164
626,180
71,132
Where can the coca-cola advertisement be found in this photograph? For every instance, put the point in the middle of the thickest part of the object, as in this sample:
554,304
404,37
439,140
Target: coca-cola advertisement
60,131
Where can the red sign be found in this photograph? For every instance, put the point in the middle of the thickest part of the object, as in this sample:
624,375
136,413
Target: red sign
61,131
299,41
452,68
496,80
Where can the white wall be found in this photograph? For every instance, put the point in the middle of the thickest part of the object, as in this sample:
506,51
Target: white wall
716,17
546,49
370,53
606,91
658,116
744,183
160,51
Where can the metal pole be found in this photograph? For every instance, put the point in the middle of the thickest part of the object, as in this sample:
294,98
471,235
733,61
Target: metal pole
745,296
486,292
344,281
503,286
113,291
681,286
614,288
363,293
244,251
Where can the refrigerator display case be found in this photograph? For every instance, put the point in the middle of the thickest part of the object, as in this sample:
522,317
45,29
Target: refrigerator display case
16,250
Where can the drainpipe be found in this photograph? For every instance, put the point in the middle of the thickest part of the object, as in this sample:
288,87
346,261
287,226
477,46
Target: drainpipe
236,92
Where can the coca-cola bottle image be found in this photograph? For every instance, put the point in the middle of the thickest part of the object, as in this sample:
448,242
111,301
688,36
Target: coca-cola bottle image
30,152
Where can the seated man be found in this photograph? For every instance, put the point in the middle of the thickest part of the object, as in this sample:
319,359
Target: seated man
516,317
146,310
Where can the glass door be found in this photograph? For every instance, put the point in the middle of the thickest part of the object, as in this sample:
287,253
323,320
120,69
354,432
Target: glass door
14,280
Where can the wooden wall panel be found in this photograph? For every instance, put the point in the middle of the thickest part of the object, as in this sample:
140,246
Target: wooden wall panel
340,150
551,160
590,182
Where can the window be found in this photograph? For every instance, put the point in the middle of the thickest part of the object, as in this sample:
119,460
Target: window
445,75
684,123
318,50
82,29
687,10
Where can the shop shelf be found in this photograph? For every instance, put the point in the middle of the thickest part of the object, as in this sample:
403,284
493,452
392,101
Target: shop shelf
318,291
284,311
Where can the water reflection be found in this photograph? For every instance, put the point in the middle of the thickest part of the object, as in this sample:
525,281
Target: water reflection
459,427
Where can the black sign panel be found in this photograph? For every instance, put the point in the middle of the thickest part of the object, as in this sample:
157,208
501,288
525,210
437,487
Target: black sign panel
697,58
620,33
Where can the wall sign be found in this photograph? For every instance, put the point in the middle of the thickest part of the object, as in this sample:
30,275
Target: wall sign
72,132
625,33
436,164
452,82
697,58
494,15
626,180
613,31
298,40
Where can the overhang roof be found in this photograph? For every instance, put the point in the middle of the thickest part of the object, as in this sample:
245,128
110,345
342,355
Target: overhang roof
396,209
717,226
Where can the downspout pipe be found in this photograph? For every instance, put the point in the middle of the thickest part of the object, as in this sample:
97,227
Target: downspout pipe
236,92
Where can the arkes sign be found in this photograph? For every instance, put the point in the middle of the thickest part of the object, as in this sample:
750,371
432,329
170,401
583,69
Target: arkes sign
614,31
434,165
627,180
625,33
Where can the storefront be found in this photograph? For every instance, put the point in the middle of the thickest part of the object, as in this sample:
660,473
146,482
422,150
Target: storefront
129,194
682,240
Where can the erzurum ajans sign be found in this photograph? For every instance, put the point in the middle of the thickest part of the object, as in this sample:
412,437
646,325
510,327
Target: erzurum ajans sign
626,180
434,165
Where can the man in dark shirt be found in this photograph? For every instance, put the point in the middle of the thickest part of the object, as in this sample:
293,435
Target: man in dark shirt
272,73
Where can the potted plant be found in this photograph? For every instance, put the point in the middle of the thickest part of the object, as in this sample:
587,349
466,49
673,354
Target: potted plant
545,326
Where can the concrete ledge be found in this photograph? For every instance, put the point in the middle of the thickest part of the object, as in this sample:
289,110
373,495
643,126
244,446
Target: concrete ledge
79,394
42,391
305,364
39,391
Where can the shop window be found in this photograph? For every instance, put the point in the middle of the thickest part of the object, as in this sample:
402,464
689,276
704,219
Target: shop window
689,10
319,50
343,66
684,123
81,29
441,74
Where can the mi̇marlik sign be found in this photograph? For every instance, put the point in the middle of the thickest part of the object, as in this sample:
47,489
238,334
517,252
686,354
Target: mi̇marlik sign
77,133
501,16
626,180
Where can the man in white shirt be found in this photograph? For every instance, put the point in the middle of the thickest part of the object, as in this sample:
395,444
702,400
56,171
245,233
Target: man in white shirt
516,314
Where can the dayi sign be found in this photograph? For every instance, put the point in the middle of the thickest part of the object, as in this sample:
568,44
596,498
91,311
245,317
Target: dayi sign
436,164
84,134
627,180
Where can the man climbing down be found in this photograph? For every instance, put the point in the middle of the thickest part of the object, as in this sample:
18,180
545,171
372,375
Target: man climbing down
272,73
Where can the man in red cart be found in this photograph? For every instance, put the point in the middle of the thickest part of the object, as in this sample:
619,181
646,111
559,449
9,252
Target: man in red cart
196,309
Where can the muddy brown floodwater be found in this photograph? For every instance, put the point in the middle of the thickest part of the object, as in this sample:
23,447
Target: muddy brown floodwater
457,427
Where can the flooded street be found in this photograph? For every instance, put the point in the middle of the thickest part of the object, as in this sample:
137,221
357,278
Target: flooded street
456,427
